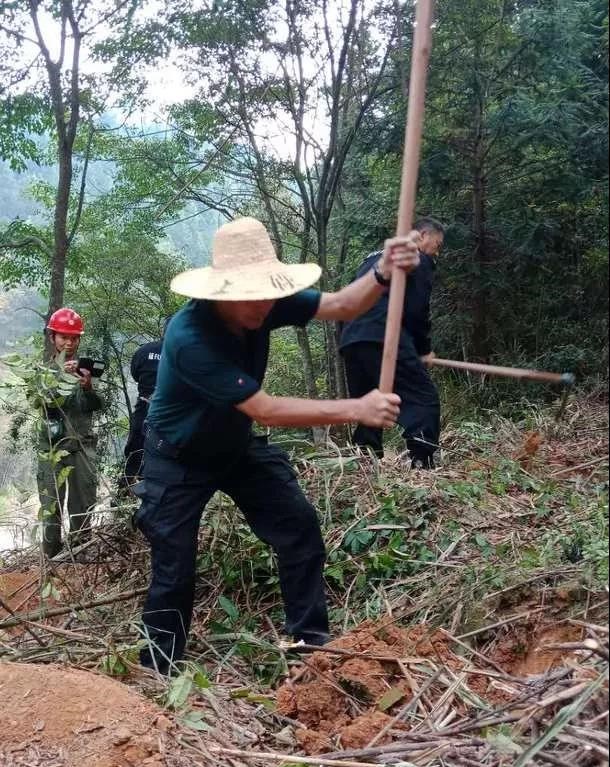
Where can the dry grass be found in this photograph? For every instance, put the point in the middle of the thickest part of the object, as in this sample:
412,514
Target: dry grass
503,543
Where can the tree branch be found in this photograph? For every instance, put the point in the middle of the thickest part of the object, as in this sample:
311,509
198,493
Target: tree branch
25,242
83,185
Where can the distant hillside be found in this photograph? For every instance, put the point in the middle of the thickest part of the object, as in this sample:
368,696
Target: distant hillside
190,236
18,316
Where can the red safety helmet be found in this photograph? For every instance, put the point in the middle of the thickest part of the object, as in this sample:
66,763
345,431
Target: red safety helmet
67,322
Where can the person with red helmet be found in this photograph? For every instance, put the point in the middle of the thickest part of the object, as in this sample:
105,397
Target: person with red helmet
68,428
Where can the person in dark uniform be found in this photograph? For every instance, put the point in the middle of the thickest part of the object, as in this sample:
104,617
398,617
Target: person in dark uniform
199,428
361,345
144,367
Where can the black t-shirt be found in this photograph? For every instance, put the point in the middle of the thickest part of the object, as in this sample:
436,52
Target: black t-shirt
144,366
370,327
205,371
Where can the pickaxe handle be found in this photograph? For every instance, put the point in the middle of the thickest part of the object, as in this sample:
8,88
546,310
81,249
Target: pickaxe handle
422,44
522,374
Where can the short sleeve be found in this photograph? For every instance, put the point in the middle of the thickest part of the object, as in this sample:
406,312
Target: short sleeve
216,379
368,263
296,310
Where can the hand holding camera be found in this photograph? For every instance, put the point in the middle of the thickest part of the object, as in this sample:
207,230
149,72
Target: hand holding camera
85,369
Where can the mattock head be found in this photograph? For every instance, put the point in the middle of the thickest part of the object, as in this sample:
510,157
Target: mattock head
567,382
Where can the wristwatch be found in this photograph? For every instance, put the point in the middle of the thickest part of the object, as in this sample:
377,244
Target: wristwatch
383,281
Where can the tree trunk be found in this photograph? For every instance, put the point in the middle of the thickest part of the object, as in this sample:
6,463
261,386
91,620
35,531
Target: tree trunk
480,330
332,352
339,366
309,374
62,201
480,341
66,111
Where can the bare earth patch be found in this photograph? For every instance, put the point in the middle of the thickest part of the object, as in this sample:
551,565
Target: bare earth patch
72,718
350,702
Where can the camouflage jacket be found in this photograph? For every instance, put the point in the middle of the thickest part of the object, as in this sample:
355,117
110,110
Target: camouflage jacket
69,426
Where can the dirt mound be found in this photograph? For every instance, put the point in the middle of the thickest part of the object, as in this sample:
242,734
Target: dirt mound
350,700
528,650
69,718
345,701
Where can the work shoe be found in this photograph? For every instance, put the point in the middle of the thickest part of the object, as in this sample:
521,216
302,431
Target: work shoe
423,463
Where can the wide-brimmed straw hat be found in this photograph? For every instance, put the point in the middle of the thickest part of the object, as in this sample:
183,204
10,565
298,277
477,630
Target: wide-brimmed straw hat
245,268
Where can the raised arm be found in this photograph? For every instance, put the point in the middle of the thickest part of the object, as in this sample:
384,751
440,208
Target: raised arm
360,296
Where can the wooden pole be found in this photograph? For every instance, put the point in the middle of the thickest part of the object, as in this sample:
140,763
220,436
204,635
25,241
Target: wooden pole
422,44
523,374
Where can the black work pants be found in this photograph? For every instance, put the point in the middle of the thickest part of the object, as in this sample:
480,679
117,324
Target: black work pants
263,484
134,447
420,409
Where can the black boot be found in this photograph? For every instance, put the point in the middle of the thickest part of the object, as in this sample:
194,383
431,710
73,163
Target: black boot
423,462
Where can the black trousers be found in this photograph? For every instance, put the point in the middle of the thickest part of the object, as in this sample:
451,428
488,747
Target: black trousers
134,447
420,410
263,484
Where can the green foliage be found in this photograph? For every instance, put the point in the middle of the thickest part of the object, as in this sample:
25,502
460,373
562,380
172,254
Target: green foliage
35,384
118,660
516,125
514,160
29,259
49,591
191,679
22,117
479,533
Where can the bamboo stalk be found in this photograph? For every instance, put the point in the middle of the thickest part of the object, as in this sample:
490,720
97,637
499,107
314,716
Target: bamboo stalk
504,622
586,465
55,611
309,761
306,649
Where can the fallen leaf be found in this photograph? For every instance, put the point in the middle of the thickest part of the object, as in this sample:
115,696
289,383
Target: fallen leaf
391,698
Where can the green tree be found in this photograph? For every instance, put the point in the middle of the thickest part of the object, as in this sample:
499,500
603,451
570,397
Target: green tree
284,90
515,161
42,46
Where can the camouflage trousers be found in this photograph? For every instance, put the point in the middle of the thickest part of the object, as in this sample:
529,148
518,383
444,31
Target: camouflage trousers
80,486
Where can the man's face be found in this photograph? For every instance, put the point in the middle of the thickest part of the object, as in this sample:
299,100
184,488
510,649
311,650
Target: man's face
250,315
431,243
67,344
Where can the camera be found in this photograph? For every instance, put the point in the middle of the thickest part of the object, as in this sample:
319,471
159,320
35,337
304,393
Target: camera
95,367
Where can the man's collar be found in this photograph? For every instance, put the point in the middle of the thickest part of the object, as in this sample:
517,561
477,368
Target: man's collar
433,259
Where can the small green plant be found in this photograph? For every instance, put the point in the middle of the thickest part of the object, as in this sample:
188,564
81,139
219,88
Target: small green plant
192,678
49,591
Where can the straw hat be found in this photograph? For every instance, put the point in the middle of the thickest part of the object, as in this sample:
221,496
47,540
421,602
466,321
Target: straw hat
245,268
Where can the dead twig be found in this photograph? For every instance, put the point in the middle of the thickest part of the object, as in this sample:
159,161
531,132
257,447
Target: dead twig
30,631
311,761
586,644
505,622
53,612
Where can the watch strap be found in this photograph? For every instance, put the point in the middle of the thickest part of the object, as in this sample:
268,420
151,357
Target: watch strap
383,281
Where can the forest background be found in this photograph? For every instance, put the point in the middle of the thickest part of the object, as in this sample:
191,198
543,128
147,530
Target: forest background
130,130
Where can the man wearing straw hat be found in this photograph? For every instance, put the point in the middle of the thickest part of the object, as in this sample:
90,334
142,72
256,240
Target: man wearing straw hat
199,438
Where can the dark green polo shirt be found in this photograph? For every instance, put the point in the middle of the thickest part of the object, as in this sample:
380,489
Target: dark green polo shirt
205,371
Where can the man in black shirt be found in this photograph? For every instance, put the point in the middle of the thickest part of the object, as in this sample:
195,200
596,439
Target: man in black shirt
199,437
362,348
144,366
